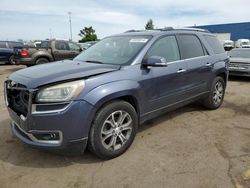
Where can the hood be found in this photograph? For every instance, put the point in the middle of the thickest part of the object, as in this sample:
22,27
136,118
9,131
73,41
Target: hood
39,75
239,60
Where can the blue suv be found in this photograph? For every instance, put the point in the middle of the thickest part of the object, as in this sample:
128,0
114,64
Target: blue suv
98,100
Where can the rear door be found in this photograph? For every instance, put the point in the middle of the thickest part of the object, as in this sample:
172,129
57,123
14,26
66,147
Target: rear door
199,64
61,50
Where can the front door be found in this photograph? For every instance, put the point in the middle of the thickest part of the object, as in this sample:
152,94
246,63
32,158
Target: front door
164,86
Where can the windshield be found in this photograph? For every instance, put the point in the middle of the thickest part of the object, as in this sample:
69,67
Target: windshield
240,53
118,50
245,43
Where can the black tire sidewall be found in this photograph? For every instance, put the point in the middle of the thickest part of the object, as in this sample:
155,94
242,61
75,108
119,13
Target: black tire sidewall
95,136
211,103
11,60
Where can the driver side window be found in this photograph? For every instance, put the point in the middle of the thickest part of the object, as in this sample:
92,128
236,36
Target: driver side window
165,47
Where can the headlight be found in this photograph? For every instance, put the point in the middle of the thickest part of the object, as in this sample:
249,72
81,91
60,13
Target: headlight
61,92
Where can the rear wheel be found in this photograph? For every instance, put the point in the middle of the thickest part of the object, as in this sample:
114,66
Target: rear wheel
216,95
12,60
113,129
41,61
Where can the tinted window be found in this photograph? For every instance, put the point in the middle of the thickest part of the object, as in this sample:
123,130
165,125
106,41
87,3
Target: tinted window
214,44
166,47
74,46
61,45
190,46
2,44
45,44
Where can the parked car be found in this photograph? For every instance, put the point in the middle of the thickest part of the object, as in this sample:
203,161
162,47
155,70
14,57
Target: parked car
228,45
243,43
99,99
239,62
50,50
86,45
6,51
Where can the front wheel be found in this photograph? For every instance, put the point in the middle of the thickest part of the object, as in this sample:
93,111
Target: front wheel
216,94
113,130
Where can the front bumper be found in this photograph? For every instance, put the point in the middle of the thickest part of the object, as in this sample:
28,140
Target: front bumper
71,126
239,72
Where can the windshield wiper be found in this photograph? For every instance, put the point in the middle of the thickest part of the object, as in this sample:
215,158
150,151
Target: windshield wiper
93,61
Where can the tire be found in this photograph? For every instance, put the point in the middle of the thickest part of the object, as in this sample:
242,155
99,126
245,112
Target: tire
110,137
11,60
216,95
41,61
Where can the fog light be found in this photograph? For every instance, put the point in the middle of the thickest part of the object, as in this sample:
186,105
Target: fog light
47,136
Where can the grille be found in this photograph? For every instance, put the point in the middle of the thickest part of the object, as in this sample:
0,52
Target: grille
242,65
17,97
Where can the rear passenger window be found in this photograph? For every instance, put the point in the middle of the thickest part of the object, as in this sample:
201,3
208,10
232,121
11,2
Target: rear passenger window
61,45
190,46
45,44
165,47
215,44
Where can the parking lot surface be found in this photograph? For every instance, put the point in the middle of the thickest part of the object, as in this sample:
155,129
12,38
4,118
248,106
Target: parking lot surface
191,148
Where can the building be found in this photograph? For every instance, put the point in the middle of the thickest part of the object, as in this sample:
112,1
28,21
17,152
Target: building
232,31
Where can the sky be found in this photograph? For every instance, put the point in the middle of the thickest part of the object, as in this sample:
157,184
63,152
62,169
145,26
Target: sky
33,19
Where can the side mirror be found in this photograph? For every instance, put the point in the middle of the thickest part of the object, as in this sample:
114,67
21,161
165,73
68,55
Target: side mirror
155,61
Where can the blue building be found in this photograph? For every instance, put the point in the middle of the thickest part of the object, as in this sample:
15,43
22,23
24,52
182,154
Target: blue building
237,30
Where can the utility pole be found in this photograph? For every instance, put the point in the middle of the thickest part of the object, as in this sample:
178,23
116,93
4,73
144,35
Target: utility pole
50,33
70,26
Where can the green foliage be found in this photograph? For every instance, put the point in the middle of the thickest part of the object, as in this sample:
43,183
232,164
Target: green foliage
87,34
149,25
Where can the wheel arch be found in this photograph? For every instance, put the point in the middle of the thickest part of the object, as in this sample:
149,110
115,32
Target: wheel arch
121,90
42,56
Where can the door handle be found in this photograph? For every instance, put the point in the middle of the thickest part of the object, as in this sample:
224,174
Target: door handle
181,70
208,64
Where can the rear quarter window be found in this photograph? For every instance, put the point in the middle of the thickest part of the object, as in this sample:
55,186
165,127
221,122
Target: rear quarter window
214,43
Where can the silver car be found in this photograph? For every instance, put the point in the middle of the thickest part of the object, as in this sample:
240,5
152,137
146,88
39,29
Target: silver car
239,62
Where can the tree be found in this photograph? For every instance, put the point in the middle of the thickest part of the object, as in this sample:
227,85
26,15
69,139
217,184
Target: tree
87,34
149,25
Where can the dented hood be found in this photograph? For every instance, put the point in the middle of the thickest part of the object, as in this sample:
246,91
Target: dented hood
39,75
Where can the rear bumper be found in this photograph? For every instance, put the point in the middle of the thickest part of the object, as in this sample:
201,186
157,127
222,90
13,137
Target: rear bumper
24,61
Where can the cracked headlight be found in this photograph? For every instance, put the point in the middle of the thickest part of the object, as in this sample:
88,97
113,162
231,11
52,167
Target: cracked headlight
61,92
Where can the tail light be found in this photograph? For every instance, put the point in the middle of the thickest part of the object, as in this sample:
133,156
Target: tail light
24,53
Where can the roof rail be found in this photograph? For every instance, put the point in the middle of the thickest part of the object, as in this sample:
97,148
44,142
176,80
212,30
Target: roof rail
132,30
169,29
164,29
193,29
